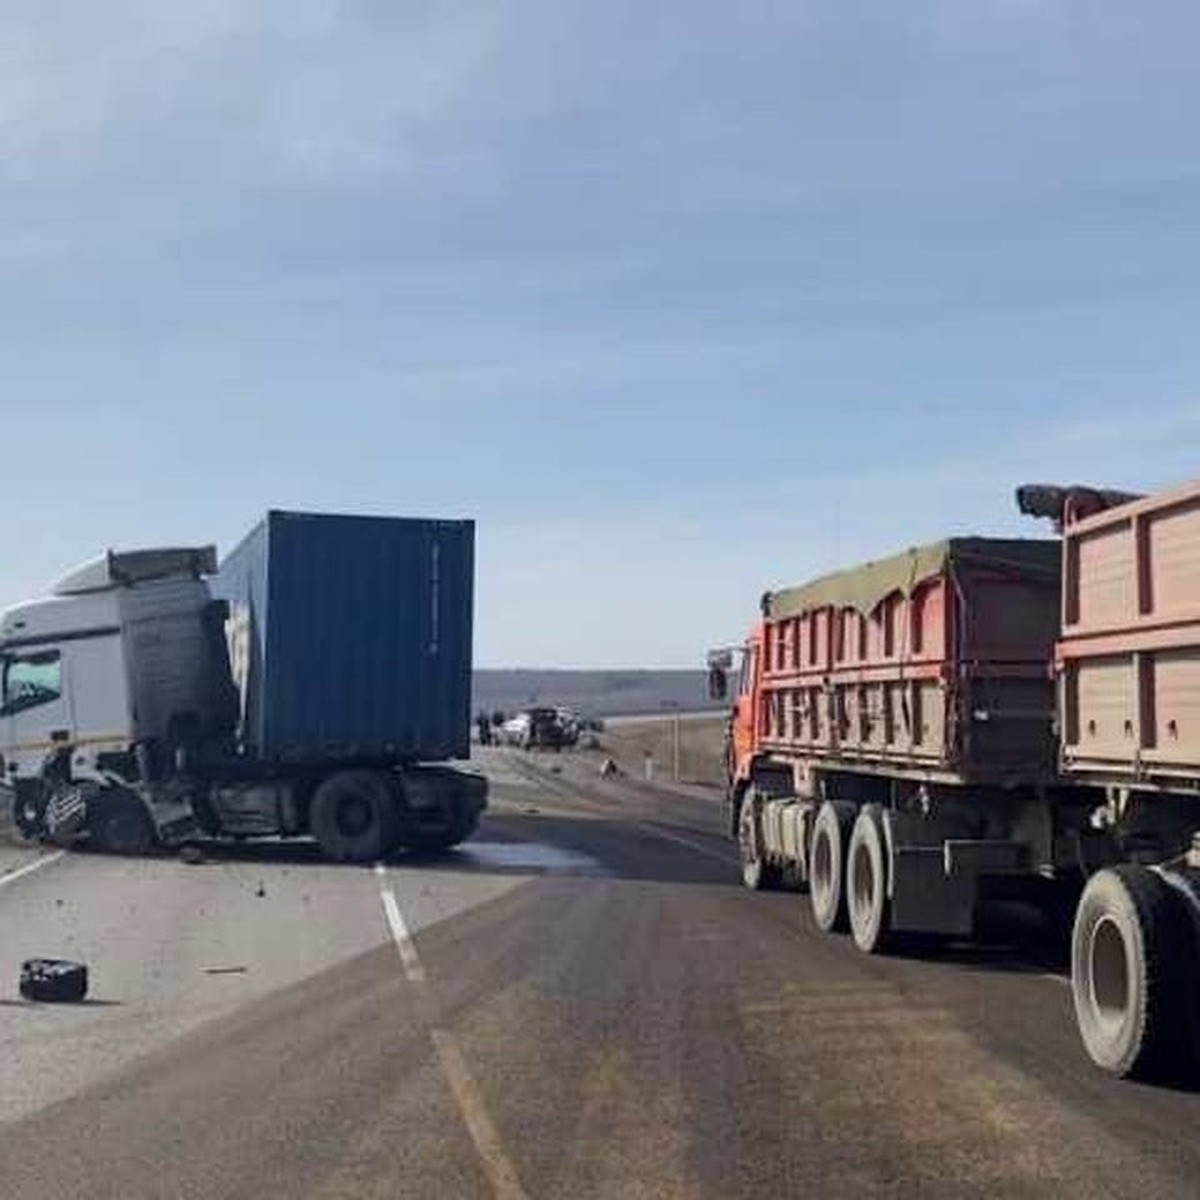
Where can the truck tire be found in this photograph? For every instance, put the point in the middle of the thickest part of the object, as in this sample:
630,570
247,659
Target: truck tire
53,980
867,872
353,816
1132,947
758,874
827,866
28,809
117,823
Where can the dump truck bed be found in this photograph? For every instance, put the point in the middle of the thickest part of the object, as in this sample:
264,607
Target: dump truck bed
935,662
1128,662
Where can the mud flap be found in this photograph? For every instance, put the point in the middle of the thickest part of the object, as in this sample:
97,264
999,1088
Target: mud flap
926,900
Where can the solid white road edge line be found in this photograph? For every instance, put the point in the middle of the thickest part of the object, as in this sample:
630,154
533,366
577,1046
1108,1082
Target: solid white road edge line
468,1097
29,868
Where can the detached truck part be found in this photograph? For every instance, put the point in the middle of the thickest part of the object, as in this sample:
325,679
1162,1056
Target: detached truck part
317,683
985,718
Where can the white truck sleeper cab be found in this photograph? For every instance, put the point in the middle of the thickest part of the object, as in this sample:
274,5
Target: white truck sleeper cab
115,663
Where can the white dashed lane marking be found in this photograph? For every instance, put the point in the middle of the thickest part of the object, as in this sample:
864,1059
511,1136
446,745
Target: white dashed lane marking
484,1134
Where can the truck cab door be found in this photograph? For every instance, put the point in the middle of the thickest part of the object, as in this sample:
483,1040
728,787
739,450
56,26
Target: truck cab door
743,732
33,708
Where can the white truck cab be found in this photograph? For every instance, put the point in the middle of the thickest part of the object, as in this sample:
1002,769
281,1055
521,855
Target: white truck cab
116,662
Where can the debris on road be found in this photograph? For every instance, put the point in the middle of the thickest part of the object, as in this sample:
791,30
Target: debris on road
225,970
609,768
192,854
54,980
262,891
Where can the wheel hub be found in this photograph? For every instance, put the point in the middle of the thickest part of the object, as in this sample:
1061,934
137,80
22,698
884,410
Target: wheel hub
353,816
1108,975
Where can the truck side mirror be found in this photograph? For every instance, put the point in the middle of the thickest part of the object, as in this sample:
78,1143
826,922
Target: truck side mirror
718,683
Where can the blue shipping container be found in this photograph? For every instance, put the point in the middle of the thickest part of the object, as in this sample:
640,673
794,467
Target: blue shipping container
351,636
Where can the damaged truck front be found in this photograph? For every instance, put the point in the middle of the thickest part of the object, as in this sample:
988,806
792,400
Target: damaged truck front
126,722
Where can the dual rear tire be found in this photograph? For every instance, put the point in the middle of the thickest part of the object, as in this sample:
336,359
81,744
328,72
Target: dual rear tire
847,868
848,874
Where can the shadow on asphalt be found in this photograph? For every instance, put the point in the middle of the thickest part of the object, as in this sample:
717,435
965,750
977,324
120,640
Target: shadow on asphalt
1008,937
506,844
88,1002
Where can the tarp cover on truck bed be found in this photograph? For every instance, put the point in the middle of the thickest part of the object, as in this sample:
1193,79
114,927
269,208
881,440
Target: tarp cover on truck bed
863,587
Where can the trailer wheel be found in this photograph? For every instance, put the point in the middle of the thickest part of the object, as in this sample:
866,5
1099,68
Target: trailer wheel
758,874
353,816
866,882
117,823
1131,949
827,866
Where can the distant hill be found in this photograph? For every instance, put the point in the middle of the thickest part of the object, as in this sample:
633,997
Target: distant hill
593,693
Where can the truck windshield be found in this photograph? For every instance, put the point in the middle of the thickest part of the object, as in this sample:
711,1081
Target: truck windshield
31,680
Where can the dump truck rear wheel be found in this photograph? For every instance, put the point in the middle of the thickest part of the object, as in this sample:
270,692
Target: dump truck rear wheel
827,866
1132,948
757,873
866,882
353,816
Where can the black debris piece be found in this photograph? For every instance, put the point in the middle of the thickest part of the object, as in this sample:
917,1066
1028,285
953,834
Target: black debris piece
56,980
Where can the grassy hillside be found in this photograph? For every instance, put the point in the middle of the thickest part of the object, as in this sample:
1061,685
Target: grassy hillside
593,693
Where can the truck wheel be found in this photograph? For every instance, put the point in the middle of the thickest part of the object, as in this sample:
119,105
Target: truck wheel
118,823
28,811
353,816
53,980
827,866
757,873
866,882
1131,948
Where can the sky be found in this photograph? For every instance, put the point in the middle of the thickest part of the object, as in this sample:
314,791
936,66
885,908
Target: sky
678,301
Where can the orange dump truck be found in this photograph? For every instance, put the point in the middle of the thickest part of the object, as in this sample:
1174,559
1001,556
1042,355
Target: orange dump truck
996,718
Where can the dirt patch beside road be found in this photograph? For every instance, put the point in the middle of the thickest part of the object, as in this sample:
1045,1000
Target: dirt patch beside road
700,747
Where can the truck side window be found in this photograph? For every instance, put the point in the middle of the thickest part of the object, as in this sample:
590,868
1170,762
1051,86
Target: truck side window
31,680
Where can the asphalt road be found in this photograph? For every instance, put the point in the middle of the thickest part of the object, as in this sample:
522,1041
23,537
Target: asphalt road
584,1002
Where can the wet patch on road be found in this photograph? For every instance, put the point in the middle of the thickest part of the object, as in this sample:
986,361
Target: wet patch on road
538,857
